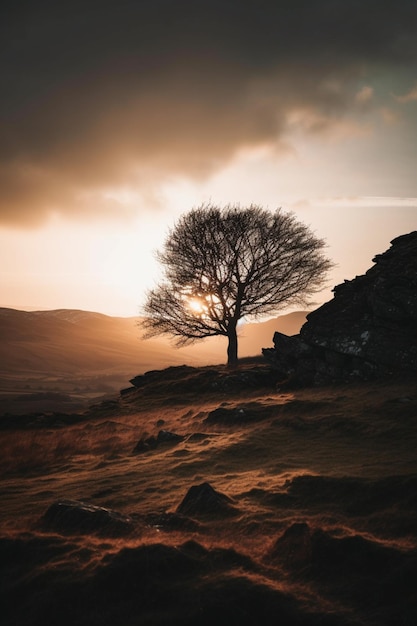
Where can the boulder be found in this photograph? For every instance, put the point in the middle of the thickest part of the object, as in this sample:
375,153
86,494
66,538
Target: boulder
165,436
80,518
145,444
368,329
333,558
293,548
204,501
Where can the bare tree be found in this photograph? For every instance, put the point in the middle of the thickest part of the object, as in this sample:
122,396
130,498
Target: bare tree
222,264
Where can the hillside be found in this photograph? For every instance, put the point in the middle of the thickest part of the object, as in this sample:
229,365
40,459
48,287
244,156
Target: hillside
86,354
184,502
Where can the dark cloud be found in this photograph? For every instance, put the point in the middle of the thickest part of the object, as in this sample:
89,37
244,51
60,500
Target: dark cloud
100,94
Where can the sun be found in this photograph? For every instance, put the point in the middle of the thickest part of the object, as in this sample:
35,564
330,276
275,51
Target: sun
197,306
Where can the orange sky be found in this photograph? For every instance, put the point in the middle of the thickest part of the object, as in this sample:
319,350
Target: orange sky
118,117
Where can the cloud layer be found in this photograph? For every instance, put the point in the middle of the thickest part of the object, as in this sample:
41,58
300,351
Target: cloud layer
105,95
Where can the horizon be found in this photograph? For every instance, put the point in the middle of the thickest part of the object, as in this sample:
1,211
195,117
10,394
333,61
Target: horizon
160,109
242,322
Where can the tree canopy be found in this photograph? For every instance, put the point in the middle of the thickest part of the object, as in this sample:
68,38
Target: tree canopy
222,264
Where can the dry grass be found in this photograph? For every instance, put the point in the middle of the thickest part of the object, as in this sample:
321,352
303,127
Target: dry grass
340,459
36,452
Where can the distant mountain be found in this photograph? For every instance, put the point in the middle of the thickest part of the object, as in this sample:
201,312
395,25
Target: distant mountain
69,350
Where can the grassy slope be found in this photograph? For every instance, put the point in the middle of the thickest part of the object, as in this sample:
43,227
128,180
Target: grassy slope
340,459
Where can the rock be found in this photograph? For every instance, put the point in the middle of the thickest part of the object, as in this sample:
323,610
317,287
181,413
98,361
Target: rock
171,521
127,391
145,445
190,380
242,414
165,436
368,329
203,500
151,443
76,517
293,548
198,437
166,375
323,556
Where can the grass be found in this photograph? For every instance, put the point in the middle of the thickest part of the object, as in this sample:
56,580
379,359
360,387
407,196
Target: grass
341,460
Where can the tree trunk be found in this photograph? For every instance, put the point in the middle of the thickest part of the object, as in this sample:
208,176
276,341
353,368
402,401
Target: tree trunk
232,346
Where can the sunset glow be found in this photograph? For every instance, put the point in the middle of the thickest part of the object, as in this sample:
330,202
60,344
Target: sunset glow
104,148
197,306
208,298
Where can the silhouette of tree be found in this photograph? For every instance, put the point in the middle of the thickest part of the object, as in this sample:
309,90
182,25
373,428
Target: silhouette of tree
222,264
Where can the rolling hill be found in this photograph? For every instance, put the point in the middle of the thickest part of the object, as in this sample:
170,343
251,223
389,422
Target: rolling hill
86,354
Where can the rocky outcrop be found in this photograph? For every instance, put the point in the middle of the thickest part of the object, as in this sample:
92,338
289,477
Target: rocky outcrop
187,380
369,328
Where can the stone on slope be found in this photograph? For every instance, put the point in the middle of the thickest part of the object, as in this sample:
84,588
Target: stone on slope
204,501
146,444
77,517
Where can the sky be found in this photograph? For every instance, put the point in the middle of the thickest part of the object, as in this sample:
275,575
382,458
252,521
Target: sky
117,117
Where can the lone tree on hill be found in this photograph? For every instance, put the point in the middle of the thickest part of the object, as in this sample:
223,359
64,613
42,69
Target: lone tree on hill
222,264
